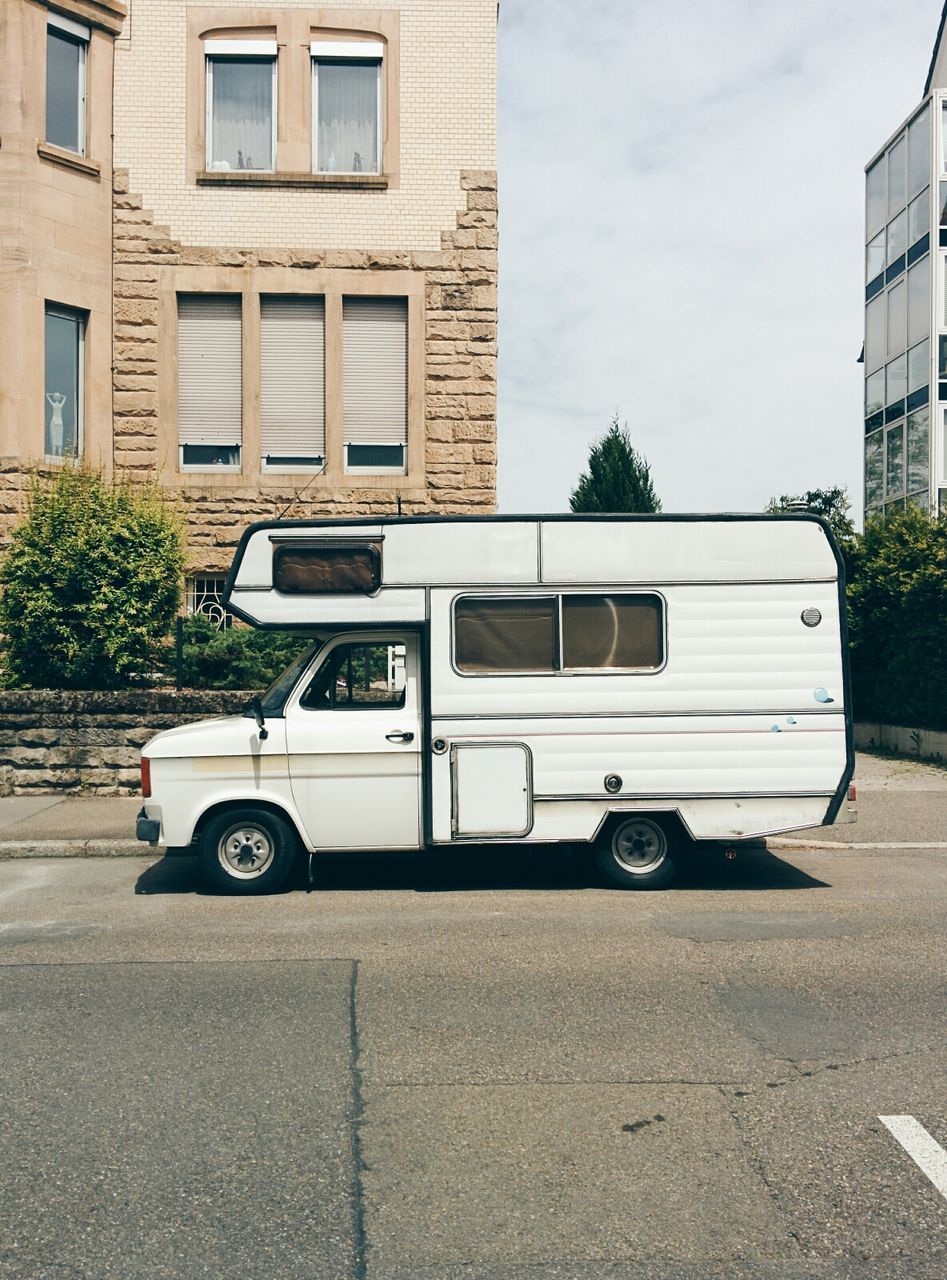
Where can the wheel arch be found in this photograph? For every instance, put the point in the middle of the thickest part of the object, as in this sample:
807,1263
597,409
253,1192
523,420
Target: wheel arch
268,806
678,828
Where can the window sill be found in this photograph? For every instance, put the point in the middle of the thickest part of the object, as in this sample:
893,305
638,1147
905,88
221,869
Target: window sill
68,159
305,181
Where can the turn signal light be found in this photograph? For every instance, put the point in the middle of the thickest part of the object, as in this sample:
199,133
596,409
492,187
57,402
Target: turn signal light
852,797
145,777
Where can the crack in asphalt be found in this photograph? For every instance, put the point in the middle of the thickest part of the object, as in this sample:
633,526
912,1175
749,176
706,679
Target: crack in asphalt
356,1120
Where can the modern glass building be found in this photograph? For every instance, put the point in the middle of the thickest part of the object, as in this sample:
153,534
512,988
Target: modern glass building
906,306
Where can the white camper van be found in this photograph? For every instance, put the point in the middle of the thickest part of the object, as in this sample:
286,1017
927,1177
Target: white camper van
636,683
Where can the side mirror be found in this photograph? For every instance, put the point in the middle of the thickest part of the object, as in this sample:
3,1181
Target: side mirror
254,708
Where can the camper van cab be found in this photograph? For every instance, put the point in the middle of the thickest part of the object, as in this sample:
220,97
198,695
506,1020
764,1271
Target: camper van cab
637,684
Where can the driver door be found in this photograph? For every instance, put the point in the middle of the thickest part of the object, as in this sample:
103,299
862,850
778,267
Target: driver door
353,737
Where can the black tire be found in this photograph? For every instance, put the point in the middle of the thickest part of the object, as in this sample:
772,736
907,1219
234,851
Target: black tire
247,850
638,852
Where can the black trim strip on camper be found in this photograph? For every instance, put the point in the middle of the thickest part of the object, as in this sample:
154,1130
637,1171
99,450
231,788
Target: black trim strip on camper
427,755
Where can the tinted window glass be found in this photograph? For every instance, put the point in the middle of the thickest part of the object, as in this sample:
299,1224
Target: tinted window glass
314,570
611,631
64,56
367,676
505,635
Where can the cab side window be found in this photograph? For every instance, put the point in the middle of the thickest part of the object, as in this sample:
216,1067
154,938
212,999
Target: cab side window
359,676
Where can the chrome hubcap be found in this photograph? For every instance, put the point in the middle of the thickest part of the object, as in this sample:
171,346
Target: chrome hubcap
639,846
245,852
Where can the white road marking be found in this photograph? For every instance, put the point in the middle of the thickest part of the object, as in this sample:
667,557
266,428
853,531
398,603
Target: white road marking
928,1155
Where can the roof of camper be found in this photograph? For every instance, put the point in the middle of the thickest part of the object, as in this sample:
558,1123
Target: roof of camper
522,551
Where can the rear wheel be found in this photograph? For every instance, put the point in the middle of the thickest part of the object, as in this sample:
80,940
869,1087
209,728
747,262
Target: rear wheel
635,852
248,851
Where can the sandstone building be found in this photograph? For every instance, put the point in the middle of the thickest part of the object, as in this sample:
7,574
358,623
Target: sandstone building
276,290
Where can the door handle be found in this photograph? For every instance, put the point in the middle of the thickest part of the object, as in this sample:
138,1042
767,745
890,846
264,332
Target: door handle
399,736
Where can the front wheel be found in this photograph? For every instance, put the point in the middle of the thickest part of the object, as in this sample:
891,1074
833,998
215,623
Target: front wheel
636,853
247,851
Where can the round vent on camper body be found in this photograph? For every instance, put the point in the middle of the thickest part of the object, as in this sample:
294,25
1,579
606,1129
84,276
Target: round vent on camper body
613,783
811,617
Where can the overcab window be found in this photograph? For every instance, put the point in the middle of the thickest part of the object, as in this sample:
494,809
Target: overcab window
317,570
547,634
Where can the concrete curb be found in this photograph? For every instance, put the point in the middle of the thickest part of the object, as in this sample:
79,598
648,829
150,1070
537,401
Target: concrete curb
10,849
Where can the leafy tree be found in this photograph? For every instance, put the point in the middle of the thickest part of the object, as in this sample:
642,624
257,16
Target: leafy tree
236,658
897,607
833,505
91,582
618,477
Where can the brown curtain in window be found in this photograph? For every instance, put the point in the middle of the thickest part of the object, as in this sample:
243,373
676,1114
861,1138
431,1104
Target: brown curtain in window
611,631
505,635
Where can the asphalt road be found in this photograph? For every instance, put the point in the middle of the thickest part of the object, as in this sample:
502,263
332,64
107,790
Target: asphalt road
442,1068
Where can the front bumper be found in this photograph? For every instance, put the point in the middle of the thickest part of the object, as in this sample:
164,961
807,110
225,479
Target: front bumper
148,829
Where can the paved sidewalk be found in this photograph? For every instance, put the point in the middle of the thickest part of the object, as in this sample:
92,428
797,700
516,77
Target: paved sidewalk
68,826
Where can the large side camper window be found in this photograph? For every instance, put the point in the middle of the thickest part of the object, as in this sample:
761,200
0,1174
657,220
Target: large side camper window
327,568
622,632
504,635
496,633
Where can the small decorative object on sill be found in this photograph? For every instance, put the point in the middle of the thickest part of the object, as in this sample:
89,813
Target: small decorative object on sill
57,428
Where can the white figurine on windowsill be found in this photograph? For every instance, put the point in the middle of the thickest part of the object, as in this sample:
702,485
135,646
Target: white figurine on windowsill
57,428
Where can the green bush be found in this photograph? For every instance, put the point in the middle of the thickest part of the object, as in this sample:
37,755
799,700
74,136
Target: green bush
897,616
238,658
91,582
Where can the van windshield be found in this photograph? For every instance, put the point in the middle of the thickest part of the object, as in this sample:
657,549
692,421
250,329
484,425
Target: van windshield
275,697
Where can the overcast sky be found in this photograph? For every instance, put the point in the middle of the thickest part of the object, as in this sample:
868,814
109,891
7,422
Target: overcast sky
681,213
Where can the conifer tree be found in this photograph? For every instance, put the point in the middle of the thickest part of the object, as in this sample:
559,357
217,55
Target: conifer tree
618,477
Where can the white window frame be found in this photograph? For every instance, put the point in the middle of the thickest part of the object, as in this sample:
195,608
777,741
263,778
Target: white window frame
376,471
81,35
69,313
212,467
252,51
347,51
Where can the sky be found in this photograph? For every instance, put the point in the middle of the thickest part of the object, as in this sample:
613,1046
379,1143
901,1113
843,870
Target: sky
681,237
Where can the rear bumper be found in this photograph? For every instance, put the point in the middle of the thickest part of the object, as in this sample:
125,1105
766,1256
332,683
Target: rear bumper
147,829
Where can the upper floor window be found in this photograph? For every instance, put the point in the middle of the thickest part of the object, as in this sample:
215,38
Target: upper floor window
67,45
375,384
63,360
210,382
346,106
241,105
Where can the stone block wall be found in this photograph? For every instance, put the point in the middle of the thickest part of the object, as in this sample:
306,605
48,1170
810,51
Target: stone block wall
459,393
90,743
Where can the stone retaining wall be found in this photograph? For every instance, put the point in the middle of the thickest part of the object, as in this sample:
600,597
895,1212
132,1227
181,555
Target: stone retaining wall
91,742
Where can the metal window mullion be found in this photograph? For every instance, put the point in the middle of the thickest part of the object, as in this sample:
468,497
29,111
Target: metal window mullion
81,105
80,386
315,115
560,658
378,127
209,113
274,108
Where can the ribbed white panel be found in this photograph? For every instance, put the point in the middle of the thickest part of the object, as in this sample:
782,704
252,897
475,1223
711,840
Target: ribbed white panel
292,376
375,370
210,382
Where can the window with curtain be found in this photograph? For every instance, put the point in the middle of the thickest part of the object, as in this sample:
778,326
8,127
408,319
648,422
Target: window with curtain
346,106
63,381
241,104
210,381
67,44
375,384
292,382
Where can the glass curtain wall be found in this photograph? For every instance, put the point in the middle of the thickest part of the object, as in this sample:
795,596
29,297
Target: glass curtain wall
898,349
